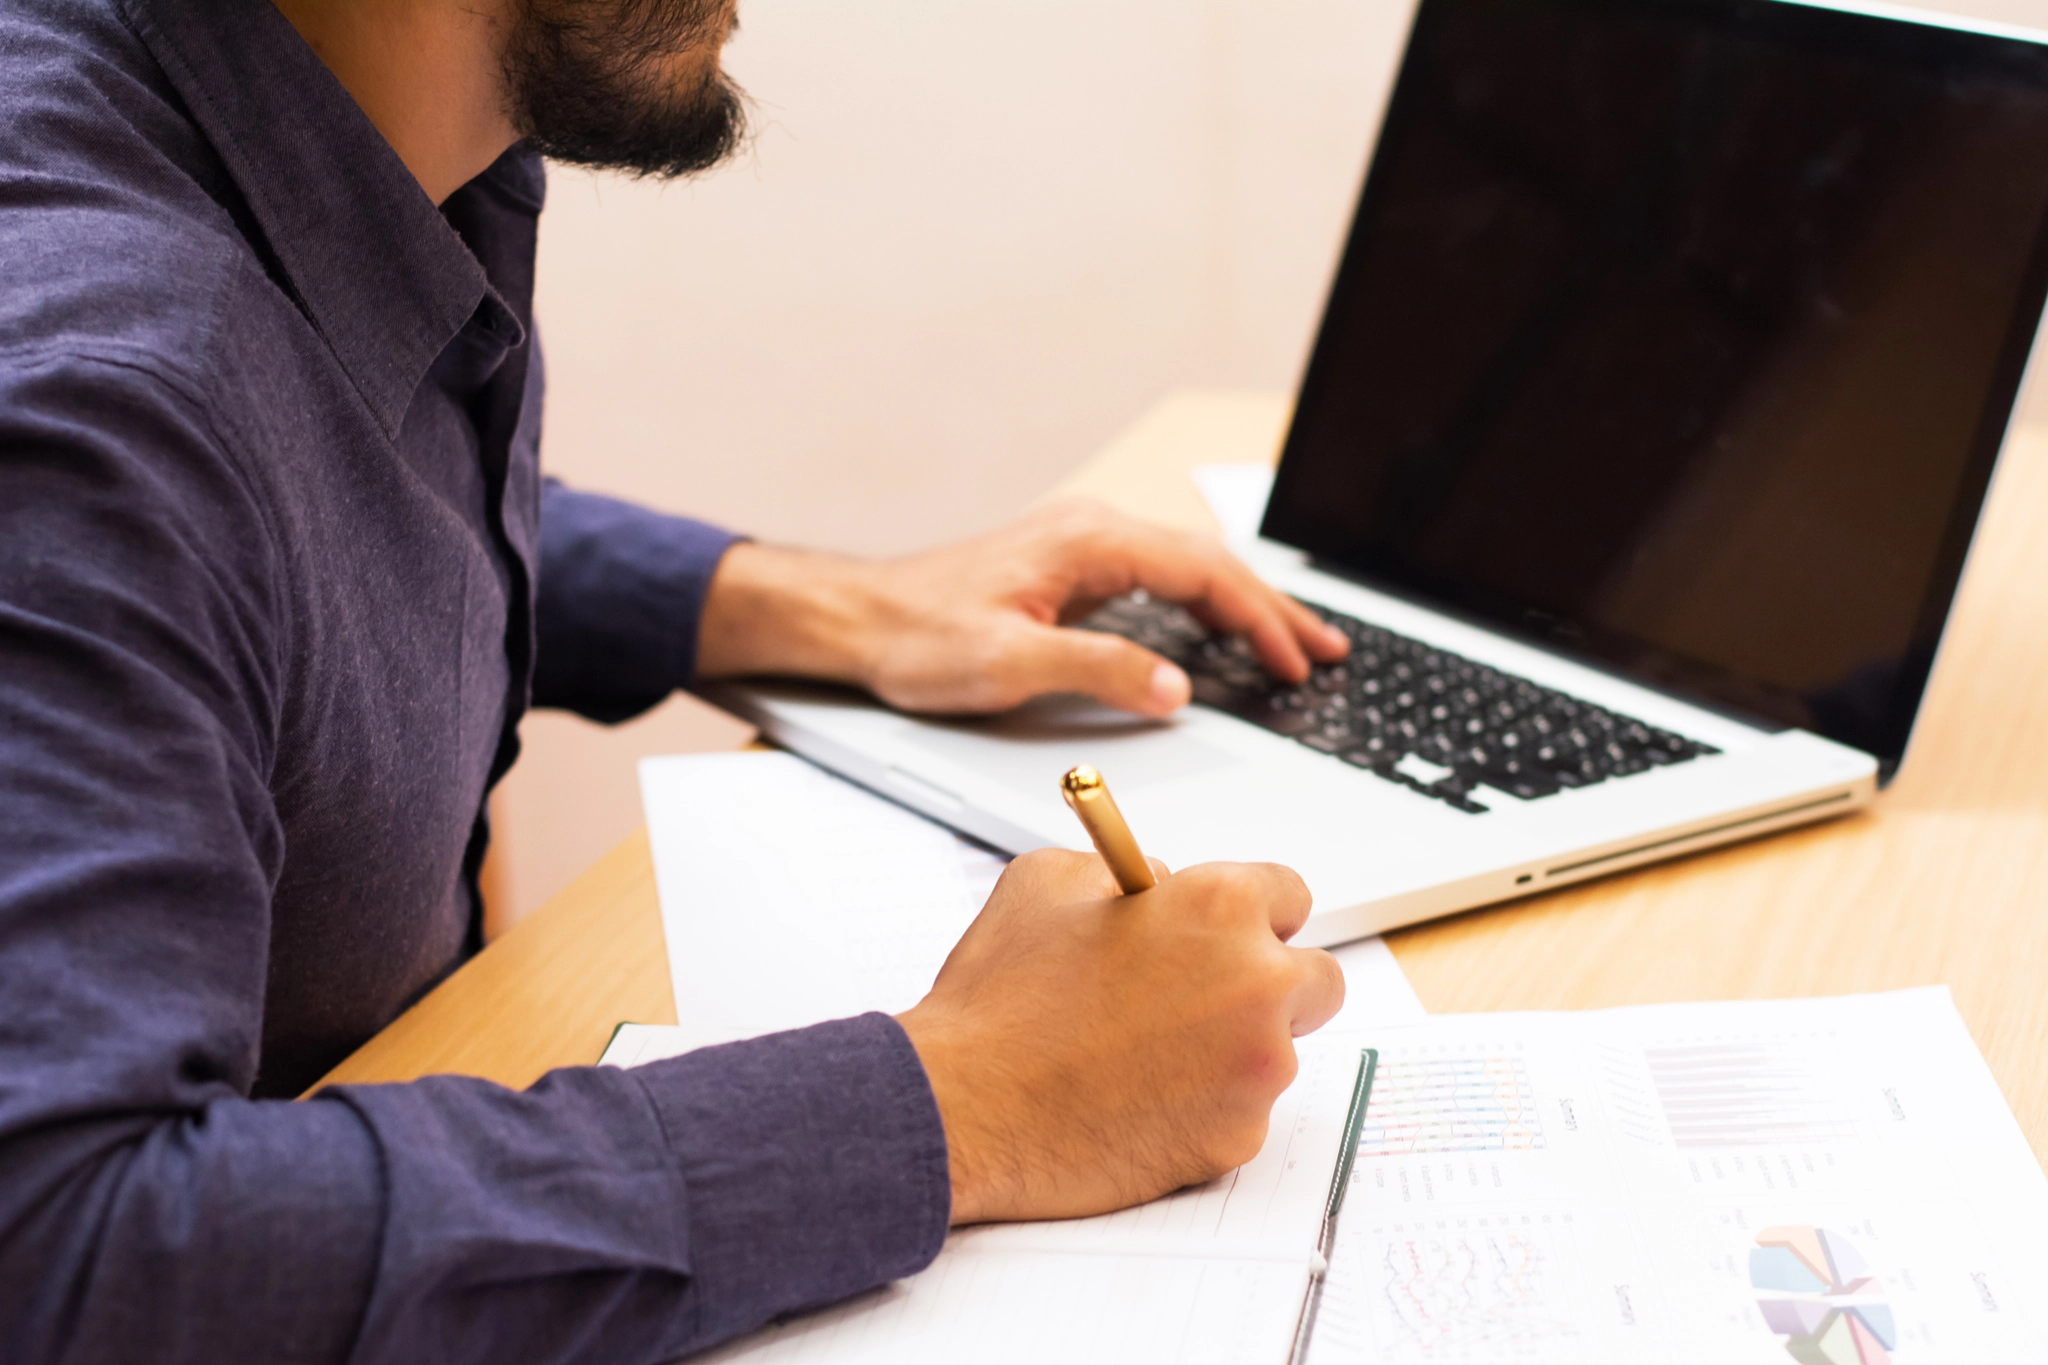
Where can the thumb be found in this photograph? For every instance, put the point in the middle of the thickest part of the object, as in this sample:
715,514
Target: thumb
1106,667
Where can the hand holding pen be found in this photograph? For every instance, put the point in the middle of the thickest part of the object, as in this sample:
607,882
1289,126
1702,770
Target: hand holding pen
1104,1033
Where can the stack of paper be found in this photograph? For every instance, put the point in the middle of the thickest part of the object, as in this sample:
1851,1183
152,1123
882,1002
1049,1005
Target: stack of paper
1831,1182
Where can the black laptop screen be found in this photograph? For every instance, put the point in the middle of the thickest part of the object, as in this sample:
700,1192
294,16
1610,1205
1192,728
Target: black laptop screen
1682,335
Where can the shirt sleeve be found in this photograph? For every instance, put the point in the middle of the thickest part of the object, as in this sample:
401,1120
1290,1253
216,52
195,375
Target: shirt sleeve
621,591
150,1210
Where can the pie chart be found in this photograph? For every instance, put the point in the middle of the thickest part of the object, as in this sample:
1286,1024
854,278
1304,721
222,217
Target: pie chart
1818,1293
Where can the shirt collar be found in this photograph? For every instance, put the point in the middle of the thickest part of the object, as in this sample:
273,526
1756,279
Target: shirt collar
382,275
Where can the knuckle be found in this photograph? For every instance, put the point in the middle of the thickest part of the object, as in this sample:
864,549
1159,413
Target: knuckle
1259,885
1286,883
1041,862
1322,968
1209,890
990,651
1079,515
1061,873
1279,977
1273,884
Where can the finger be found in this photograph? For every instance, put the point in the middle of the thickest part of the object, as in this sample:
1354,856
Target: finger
1160,870
1227,596
1317,638
1286,898
1321,993
1323,641
1107,667
1276,893
1196,572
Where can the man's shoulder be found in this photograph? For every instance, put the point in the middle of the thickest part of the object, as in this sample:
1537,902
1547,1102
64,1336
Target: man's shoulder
117,222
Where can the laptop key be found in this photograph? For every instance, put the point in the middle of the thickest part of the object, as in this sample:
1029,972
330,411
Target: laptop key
1213,691
1331,739
1289,723
1371,754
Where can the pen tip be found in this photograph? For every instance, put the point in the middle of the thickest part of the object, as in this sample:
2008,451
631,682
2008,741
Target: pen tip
1081,779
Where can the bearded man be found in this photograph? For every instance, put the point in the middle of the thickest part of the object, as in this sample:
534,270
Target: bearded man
279,575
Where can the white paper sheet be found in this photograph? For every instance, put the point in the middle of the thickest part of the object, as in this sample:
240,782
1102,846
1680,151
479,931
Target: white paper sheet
1236,494
1835,1182
1068,1310
789,896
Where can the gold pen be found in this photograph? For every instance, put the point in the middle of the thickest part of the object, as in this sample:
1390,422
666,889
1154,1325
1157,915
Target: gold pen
1089,797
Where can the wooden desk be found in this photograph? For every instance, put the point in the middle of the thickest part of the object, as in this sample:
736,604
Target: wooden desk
1946,880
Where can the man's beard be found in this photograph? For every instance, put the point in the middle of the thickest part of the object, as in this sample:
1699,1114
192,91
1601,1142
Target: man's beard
587,85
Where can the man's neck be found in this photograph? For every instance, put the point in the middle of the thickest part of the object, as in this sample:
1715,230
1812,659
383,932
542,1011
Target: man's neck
429,73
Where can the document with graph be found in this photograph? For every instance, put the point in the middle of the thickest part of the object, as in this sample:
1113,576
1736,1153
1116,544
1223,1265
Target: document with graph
1829,1182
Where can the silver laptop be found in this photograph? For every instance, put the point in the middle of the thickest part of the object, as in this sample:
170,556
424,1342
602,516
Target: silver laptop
1639,453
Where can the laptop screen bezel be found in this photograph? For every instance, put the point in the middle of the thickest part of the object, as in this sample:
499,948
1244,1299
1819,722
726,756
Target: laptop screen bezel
1691,680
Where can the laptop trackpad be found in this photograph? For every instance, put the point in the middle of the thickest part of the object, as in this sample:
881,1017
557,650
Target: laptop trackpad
1032,746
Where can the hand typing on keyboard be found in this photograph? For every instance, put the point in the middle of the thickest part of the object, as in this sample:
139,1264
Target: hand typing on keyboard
986,624
1429,719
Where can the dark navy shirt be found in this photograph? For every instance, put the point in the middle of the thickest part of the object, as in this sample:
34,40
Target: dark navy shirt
278,576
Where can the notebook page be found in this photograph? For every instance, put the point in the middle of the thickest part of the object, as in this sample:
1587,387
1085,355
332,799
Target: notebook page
789,896
1022,1308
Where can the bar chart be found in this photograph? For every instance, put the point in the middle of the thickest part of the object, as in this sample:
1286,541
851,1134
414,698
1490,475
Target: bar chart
1743,1093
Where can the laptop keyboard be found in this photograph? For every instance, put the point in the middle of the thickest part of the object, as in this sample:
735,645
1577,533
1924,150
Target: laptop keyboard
1395,701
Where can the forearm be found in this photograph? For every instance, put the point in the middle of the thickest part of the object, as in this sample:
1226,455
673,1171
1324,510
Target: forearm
240,1231
602,1215
373,1227
629,1216
791,613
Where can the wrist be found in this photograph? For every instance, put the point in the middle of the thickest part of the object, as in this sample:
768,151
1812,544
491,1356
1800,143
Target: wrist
789,613
975,1198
